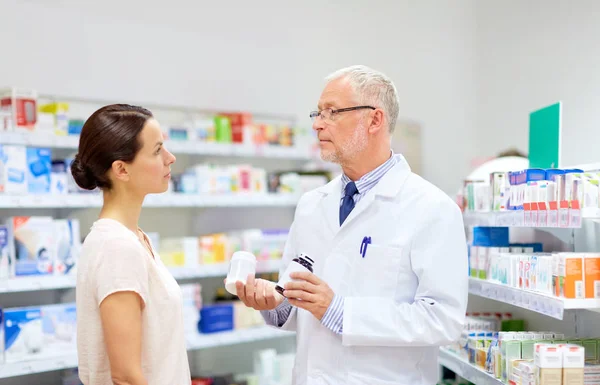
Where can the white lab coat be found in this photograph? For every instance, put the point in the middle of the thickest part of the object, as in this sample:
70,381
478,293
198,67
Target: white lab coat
403,300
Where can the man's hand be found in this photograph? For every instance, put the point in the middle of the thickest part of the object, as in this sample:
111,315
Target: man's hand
258,294
310,293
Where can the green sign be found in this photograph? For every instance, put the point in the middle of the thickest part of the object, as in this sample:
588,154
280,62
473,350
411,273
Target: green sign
544,137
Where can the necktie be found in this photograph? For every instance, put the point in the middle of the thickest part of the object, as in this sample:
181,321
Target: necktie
347,201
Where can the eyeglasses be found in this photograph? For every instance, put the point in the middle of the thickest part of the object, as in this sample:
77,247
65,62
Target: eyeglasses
328,113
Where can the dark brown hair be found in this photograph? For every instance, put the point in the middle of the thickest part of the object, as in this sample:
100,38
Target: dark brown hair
110,134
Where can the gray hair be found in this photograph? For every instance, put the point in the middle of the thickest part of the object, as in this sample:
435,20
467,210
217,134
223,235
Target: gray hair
372,87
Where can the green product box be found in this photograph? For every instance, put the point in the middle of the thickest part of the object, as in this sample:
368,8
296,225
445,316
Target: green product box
591,350
223,129
528,349
512,351
515,325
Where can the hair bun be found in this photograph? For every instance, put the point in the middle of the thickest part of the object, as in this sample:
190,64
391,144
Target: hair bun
83,175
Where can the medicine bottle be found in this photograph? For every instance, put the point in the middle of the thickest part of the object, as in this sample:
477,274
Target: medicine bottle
243,264
302,263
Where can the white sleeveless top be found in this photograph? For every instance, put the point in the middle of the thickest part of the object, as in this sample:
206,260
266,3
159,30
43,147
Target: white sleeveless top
113,259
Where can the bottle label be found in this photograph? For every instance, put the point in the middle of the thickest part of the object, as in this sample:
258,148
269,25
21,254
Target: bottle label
292,268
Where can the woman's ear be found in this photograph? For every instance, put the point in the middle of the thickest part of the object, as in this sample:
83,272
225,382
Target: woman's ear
120,170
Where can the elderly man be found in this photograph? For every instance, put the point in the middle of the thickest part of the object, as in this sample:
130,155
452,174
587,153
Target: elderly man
389,284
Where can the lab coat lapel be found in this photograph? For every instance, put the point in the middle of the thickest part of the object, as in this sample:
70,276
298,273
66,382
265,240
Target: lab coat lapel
330,203
387,187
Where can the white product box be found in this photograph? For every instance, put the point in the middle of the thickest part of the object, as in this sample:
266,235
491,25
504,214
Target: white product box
179,252
5,257
573,364
13,169
34,247
192,303
68,246
548,360
59,328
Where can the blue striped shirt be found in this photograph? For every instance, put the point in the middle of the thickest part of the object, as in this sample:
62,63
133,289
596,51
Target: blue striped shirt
333,319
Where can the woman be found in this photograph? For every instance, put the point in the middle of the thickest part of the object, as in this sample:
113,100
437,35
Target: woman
129,307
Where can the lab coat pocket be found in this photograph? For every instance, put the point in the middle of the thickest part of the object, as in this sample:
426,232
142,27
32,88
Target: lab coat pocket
376,274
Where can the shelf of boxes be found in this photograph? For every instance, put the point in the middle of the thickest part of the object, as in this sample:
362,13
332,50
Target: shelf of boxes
538,302
36,283
566,218
71,142
91,200
464,369
201,341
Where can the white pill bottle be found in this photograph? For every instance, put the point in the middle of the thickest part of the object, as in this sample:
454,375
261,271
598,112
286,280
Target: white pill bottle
243,263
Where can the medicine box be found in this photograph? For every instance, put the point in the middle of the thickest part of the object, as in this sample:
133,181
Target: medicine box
68,245
34,246
23,334
13,169
5,258
216,318
39,168
570,282
59,328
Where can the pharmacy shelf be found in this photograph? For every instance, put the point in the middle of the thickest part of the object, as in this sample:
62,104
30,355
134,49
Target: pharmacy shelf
221,270
71,142
502,219
466,370
23,284
200,341
90,200
538,302
520,219
205,341
40,366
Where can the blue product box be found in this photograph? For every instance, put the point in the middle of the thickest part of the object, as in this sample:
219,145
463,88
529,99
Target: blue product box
216,318
1,336
39,168
24,337
75,126
178,133
490,236
59,178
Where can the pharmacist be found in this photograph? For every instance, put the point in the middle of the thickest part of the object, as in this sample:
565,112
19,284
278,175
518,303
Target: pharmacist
389,282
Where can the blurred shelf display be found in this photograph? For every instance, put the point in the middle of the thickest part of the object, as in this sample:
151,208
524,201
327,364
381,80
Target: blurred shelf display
465,370
538,302
90,200
201,341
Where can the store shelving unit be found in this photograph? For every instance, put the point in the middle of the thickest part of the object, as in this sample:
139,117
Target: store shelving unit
37,283
581,238
201,341
464,369
168,200
50,140
57,288
538,302
517,218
